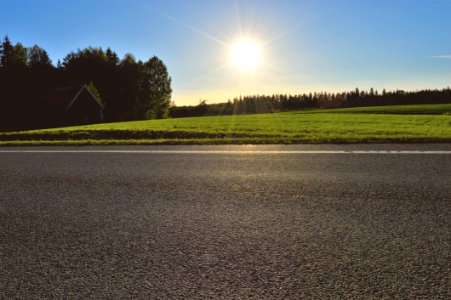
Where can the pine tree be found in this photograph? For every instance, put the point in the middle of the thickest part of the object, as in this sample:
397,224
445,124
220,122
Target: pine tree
111,56
6,53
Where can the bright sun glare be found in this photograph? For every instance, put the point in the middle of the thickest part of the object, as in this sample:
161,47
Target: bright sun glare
246,55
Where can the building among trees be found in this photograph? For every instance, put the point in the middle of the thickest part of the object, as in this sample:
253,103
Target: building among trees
66,106
31,97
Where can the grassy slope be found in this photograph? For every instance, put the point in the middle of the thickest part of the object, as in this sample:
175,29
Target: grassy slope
366,124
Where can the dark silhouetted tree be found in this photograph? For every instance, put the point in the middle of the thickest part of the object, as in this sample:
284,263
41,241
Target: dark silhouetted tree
6,53
38,58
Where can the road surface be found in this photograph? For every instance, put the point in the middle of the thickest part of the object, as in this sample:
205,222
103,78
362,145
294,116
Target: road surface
226,222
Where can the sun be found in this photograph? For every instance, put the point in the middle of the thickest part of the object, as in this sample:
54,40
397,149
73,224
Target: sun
246,55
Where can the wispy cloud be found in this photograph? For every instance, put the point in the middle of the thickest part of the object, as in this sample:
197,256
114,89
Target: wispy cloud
448,56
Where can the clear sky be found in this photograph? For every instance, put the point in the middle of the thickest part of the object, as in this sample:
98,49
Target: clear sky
306,45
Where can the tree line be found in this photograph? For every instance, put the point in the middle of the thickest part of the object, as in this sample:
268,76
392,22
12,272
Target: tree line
255,104
130,89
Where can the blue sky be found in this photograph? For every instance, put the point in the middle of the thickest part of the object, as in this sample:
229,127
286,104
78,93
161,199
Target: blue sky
314,45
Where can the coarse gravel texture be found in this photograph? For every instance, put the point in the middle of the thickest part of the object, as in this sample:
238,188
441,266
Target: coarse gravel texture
226,226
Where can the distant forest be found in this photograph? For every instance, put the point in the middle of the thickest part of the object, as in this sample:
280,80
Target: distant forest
129,89
276,103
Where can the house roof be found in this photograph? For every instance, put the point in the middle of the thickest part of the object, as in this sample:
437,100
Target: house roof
61,98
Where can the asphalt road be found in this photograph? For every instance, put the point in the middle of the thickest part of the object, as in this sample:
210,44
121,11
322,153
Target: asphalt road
226,225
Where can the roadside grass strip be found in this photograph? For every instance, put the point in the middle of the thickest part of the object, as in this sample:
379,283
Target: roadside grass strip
418,123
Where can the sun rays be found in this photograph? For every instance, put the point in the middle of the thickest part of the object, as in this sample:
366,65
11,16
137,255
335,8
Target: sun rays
238,54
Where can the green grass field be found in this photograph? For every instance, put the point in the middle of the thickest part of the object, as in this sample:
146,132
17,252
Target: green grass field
409,123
